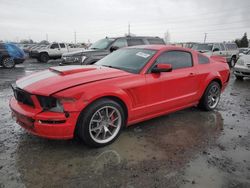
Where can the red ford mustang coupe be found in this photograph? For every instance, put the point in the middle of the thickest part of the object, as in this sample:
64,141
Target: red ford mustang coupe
128,86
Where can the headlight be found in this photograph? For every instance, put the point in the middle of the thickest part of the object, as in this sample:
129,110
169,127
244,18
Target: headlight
240,62
50,104
83,58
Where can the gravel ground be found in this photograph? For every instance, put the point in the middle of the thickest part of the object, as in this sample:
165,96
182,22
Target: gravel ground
189,148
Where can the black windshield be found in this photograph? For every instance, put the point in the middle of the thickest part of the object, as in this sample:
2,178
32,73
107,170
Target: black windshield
127,59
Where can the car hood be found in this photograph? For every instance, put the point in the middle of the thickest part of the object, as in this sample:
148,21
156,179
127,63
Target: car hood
78,52
60,78
81,52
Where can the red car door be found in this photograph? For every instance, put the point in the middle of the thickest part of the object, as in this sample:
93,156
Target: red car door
175,89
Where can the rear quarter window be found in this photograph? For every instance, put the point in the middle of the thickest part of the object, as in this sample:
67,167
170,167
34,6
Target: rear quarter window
203,59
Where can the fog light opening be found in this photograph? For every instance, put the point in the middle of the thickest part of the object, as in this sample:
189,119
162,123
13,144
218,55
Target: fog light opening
51,121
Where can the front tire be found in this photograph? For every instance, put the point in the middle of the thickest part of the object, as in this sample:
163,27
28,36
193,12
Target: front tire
8,63
232,62
44,58
101,123
211,97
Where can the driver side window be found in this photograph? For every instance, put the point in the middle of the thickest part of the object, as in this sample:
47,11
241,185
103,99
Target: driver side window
178,59
54,46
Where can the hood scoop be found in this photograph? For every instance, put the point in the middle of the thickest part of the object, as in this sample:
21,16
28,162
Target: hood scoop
66,70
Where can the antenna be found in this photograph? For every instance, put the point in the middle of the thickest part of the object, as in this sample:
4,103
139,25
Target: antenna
75,36
205,37
128,29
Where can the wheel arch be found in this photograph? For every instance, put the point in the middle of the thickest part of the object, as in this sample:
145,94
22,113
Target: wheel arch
119,96
116,99
4,56
111,97
216,80
43,52
234,56
208,81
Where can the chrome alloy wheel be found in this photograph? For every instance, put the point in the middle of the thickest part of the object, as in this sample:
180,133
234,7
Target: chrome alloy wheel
213,96
105,124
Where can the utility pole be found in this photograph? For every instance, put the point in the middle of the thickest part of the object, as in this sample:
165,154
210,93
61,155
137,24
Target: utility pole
128,29
75,36
205,37
47,37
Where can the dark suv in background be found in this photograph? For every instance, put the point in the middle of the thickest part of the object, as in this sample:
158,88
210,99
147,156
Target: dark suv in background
103,47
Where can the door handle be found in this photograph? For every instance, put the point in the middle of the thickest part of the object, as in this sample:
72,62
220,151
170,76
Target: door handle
191,74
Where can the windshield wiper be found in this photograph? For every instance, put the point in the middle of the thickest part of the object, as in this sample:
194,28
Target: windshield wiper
95,48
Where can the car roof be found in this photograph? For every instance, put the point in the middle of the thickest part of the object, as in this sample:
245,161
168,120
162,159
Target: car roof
159,47
135,37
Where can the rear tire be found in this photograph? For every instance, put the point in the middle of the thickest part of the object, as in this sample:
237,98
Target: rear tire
44,58
8,63
211,97
101,123
232,62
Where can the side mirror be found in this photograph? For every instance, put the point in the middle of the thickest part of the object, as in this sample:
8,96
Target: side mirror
216,49
114,48
162,68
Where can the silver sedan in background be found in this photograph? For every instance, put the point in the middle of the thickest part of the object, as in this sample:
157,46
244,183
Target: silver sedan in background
242,66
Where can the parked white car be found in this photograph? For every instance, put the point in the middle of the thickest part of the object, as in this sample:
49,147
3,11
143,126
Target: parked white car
243,50
53,51
242,66
228,50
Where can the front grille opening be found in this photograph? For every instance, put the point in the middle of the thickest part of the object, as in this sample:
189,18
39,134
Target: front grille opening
52,121
23,97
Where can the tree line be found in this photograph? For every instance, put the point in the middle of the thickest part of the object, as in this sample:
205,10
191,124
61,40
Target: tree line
243,42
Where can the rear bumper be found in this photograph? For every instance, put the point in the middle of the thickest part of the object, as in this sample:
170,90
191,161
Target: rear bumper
50,125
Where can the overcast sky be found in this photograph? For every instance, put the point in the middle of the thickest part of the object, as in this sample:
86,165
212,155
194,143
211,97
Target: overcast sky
185,20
